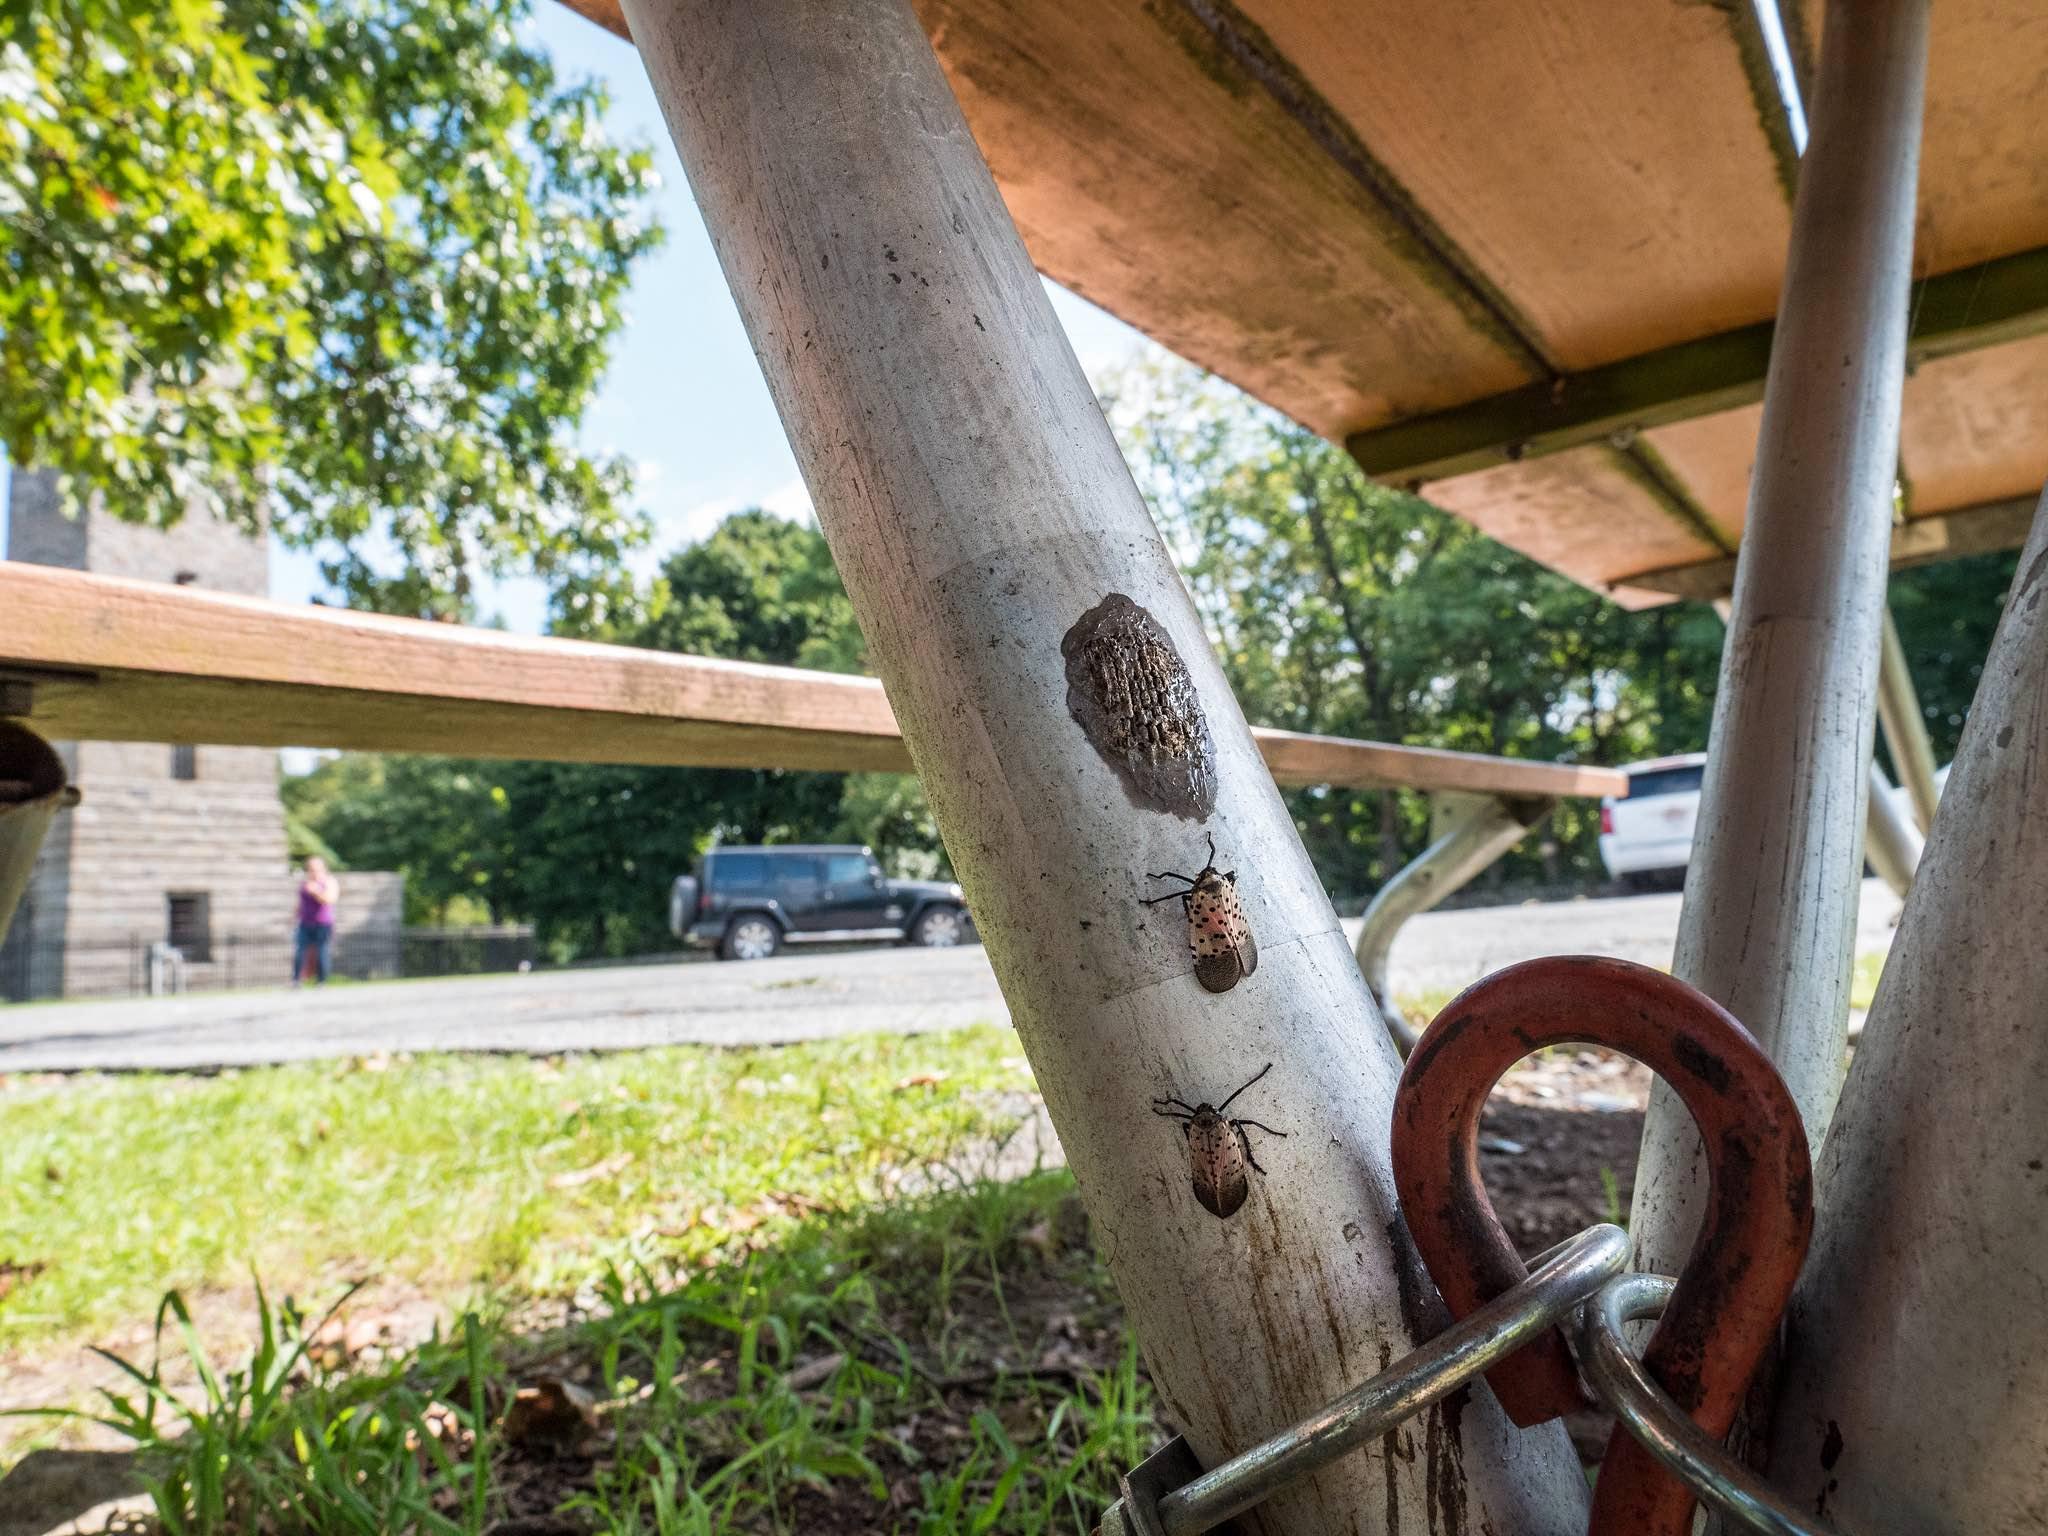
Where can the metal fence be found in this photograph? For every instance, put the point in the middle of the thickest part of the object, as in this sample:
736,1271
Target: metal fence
139,965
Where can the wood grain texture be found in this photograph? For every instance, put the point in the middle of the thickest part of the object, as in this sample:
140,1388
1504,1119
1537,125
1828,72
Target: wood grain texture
1150,174
1714,455
1976,426
120,660
1580,513
1603,161
1983,168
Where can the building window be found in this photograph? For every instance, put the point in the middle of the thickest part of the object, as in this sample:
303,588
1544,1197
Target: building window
191,924
185,763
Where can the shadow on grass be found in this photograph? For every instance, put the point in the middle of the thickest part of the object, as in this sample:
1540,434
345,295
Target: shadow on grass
952,1362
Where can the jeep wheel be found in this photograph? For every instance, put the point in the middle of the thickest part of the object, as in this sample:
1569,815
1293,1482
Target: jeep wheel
938,928
750,936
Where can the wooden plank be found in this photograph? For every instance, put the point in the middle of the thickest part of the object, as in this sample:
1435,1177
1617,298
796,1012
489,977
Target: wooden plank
1300,196
1980,530
1713,456
118,660
1636,118
1157,175
1976,427
1983,181
1584,513
1298,760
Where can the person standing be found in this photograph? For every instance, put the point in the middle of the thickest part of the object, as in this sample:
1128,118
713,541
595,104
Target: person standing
318,892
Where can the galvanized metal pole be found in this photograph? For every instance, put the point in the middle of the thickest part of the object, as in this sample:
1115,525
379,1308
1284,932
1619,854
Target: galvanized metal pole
1768,926
1074,732
1905,726
1468,834
1915,1392
1890,840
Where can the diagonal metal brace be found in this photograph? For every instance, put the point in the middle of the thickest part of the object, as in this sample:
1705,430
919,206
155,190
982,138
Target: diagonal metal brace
1467,834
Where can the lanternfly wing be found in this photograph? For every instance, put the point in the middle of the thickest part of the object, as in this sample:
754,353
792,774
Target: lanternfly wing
1222,942
1217,1159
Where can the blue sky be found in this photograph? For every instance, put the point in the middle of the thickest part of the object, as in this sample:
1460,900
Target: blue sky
684,397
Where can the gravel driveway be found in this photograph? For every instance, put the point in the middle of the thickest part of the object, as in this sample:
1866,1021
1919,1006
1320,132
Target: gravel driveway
796,996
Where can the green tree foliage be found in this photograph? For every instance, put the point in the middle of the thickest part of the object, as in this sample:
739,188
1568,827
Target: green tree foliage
1343,607
1338,607
352,266
587,851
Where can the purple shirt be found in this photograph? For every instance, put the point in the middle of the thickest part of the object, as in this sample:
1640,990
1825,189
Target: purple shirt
312,909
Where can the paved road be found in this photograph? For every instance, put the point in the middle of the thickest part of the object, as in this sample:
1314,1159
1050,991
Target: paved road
797,996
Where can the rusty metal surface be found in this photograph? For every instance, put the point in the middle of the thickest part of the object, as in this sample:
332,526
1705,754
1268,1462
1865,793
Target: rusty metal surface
1724,1312
1727,1484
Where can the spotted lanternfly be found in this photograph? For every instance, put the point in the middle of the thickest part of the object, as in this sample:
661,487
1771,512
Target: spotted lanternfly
1218,1149
1222,943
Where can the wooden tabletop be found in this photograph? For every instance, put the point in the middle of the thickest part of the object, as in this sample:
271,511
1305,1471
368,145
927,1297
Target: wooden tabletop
1524,257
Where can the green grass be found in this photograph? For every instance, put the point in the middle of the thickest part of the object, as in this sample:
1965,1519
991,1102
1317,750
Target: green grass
463,1175
907,1418
1863,985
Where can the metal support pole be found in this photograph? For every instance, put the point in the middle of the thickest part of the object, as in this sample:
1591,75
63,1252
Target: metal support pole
1074,732
1469,832
1905,726
32,792
1768,927
1913,1392
1891,842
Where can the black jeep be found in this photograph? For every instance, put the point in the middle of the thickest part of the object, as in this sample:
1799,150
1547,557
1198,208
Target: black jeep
749,901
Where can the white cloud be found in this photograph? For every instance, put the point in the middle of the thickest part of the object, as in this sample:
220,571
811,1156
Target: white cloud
678,521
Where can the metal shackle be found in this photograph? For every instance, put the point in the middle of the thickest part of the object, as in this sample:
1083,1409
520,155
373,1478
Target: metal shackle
1723,1315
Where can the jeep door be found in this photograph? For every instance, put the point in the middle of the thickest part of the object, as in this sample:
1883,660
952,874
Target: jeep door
855,895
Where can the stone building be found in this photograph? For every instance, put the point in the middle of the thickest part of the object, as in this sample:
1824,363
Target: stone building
177,845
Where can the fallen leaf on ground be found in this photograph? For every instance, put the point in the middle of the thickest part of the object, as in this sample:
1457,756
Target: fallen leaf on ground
922,1080
603,1170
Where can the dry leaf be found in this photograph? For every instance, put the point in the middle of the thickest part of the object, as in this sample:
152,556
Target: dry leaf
603,1170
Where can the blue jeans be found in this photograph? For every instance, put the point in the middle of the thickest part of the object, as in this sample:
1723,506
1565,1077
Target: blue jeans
319,938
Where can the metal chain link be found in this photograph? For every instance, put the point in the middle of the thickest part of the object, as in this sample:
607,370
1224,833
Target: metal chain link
1615,1373
1579,1283
1562,1279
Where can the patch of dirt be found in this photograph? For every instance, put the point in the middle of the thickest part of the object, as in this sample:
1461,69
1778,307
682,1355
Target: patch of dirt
1558,1144
386,1318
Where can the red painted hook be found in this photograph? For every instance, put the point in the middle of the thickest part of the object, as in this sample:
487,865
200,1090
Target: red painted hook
1723,1315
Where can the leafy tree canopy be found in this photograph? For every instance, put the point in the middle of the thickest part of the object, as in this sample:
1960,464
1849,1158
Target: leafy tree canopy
352,266
1344,607
1338,606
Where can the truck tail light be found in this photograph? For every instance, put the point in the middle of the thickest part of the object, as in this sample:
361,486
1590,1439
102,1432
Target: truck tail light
1606,818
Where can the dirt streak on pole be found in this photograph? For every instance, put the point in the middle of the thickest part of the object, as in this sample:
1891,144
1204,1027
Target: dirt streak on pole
1918,1360
1074,732
1768,929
